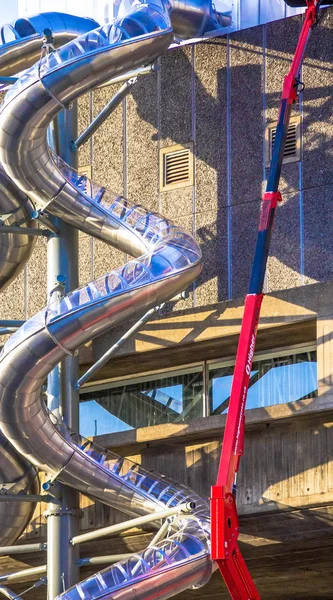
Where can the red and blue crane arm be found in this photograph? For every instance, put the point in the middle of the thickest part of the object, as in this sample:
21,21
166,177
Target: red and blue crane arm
224,518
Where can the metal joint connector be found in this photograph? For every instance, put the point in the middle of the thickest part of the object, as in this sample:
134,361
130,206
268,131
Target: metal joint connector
63,512
273,197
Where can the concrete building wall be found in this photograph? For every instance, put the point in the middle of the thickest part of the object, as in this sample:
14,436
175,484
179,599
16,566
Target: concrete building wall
219,94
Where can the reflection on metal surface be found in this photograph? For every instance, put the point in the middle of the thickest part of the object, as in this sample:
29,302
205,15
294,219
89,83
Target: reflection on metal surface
21,49
16,476
166,260
15,250
20,44
197,18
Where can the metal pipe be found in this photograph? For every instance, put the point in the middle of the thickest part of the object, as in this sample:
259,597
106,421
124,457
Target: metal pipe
103,560
163,514
23,574
23,549
44,219
8,330
8,80
160,534
9,323
63,521
24,230
130,74
104,114
113,350
9,593
28,498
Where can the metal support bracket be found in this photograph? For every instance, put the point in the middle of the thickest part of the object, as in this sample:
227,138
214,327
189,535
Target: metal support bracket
13,324
22,549
8,80
7,229
115,347
60,289
48,484
40,216
137,522
104,114
48,498
61,512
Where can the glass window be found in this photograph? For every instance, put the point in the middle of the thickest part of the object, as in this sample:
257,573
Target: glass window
165,398
274,380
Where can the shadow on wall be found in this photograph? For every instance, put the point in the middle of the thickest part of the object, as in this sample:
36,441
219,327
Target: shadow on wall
279,471
225,110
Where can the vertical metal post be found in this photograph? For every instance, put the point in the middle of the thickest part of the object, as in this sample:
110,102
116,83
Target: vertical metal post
63,399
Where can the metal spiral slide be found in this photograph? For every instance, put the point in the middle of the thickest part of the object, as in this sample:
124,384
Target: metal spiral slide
166,260
17,475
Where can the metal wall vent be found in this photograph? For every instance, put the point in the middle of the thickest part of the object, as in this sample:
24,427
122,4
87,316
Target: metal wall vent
292,152
176,167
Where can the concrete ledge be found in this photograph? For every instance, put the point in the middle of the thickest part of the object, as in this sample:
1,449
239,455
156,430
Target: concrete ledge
129,442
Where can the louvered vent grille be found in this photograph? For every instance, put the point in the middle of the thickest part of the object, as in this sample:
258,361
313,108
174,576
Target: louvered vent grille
176,167
292,148
291,141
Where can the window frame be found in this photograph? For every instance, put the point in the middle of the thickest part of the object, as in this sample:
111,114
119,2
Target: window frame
204,366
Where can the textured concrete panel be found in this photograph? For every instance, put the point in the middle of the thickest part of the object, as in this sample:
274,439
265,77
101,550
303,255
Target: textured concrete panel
186,222
318,106
37,278
281,43
83,120
176,97
283,268
246,115
281,39
211,126
176,204
85,259
318,239
12,300
211,234
244,224
108,142
142,143
108,165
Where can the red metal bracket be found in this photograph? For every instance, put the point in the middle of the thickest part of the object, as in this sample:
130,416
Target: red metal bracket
226,520
270,200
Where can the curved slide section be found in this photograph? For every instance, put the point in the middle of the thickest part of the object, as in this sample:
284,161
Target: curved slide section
166,262
21,41
17,475
15,249
17,54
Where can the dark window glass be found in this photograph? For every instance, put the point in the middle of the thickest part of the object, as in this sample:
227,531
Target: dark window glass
274,380
172,398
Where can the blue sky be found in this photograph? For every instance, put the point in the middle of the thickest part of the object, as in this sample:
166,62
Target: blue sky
8,11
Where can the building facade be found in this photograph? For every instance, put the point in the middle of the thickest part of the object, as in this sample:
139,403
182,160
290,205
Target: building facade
162,400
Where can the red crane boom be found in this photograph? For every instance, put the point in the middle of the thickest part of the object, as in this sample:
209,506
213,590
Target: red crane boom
224,519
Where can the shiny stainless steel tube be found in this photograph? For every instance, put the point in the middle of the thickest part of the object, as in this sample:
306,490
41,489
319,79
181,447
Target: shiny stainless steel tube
18,476
25,49
15,249
166,260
